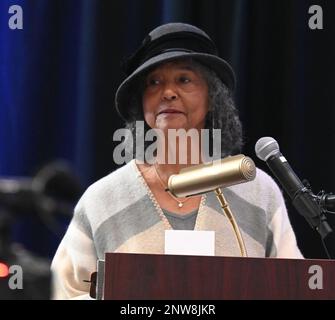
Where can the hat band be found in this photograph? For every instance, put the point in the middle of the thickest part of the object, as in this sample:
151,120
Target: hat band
180,42
167,51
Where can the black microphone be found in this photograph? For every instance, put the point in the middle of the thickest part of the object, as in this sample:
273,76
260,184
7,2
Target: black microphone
267,149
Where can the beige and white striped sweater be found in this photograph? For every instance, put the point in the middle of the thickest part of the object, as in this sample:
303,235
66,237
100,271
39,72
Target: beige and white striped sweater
119,214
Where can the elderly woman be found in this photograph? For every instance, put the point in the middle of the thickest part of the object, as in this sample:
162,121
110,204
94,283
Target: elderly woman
175,81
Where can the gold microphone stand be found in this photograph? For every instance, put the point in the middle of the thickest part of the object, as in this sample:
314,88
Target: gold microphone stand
226,210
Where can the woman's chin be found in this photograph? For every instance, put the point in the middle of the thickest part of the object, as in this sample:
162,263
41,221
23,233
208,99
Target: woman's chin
166,125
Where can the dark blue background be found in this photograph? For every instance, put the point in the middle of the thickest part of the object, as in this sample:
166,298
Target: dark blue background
59,74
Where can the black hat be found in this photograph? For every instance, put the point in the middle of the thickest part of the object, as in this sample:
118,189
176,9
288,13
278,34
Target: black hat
169,42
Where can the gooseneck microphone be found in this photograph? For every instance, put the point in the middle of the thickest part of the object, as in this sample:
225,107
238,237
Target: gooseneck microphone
267,149
213,176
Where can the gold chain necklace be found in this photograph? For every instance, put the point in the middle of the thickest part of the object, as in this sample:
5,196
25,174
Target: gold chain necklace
180,203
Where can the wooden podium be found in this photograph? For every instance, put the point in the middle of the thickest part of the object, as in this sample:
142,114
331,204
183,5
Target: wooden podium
147,277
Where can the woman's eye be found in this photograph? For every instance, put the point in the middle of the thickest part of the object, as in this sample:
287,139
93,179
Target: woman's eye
184,79
153,82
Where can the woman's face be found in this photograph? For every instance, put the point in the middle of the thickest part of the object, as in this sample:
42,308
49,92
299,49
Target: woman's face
175,97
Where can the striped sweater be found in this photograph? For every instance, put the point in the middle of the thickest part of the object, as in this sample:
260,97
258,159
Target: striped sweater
120,214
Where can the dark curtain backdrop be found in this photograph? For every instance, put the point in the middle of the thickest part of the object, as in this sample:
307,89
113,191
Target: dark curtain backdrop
59,74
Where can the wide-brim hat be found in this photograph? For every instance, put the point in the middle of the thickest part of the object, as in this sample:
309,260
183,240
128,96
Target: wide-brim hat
169,42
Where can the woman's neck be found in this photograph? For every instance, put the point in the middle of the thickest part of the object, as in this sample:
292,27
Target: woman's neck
178,153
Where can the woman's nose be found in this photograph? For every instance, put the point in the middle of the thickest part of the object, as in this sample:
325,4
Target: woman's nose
169,93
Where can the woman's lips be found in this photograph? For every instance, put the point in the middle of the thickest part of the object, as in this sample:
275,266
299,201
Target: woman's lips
170,112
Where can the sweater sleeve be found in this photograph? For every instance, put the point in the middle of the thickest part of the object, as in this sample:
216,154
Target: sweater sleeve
284,243
284,240
75,260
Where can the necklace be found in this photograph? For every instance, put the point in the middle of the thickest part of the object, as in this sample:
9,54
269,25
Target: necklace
180,202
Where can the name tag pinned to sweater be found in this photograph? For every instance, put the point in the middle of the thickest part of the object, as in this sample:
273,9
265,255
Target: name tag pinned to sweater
190,242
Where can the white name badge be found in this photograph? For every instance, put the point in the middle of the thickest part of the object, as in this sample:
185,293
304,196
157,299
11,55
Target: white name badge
190,242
